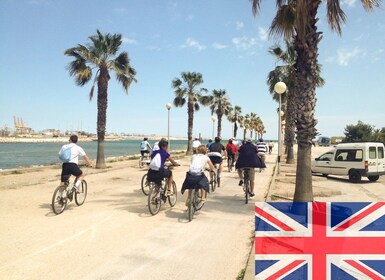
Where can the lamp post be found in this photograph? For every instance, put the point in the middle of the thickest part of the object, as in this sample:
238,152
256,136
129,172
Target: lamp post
168,106
214,119
279,88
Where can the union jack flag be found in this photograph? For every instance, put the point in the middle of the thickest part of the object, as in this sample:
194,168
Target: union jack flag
319,240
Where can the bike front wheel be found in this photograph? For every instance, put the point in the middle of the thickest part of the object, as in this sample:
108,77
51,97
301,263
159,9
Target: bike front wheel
59,200
197,202
154,200
145,184
81,195
172,199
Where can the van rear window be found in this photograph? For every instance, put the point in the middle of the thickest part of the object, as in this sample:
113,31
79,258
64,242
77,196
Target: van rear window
372,152
380,152
349,155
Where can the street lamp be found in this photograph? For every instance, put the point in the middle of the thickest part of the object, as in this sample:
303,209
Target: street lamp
279,88
168,106
214,119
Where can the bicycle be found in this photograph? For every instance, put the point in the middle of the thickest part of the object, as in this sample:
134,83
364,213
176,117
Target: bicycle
194,205
65,193
246,184
230,161
215,180
145,159
158,194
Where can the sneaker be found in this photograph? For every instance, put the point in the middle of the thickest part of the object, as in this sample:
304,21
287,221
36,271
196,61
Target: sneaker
240,183
170,193
252,194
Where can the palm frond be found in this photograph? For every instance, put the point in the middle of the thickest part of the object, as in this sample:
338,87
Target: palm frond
283,23
336,15
179,101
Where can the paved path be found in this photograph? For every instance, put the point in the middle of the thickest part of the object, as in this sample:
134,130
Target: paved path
113,236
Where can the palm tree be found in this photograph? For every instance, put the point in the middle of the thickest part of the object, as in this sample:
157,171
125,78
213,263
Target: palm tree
286,73
187,90
221,106
298,20
234,118
100,54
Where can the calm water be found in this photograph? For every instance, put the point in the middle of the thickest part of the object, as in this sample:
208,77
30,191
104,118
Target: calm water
13,155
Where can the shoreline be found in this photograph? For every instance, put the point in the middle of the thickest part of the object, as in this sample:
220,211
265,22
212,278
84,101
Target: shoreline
40,139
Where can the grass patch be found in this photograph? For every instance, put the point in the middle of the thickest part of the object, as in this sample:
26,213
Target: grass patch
241,274
16,172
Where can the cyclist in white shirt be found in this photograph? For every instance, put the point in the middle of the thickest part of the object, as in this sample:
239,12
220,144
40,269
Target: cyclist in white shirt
71,167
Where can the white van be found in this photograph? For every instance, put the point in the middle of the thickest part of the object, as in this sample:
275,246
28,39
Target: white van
354,160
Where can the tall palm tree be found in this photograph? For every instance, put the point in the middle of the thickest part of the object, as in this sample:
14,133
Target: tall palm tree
100,54
298,19
186,90
286,73
221,106
234,118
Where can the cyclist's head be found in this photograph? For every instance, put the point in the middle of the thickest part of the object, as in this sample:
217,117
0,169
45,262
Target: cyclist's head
260,140
230,141
210,140
249,140
163,139
163,144
145,138
202,149
74,139
217,139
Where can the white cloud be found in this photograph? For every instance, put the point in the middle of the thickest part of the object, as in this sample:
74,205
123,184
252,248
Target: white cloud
219,46
263,34
129,41
121,10
244,42
191,43
189,17
344,56
350,3
240,25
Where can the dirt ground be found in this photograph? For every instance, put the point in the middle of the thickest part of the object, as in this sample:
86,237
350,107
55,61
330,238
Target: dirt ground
113,235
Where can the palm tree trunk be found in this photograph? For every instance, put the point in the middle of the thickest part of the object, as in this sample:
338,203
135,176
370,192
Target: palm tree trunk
244,134
219,132
190,112
235,129
290,126
306,45
102,116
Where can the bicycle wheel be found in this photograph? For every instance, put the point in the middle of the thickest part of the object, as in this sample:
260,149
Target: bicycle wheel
172,199
141,164
213,181
59,200
247,191
218,181
81,196
191,209
230,164
154,200
146,185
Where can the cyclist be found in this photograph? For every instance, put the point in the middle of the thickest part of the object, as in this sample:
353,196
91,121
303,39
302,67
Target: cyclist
209,143
262,149
195,144
248,158
145,147
231,150
156,171
71,167
271,145
195,177
215,153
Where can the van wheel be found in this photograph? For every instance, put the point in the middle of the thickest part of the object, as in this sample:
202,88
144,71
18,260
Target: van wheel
325,175
373,178
354,176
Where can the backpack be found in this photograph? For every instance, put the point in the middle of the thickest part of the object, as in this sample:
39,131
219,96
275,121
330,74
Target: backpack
65,155
156,162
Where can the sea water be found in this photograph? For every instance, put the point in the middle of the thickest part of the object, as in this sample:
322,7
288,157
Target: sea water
14,155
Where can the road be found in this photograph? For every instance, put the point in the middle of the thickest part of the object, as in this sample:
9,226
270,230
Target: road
113,236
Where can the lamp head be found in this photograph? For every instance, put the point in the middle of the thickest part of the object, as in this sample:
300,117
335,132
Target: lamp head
280,87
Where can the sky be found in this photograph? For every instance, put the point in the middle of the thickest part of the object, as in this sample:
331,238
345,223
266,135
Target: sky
221,39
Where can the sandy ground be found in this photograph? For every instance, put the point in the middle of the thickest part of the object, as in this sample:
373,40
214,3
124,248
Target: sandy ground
113,235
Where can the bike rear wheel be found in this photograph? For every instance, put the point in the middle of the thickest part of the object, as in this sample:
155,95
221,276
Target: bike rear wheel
230,164
218,181
191,208
154,200
59,200
213,181
81,196
146,185
247,182
172,199
141,163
